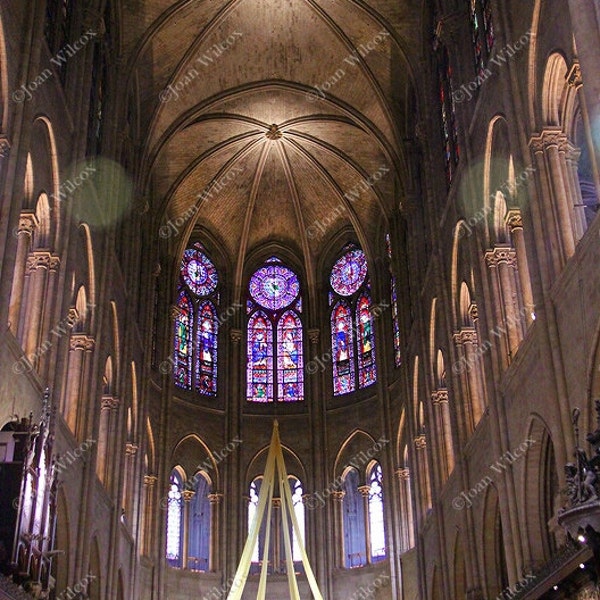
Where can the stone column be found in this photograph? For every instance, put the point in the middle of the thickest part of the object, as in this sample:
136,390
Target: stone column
440,407
502,262
38,264
80,347
364,492
187,496
129,487
49,310
425,481
467,344
408,532
27,224
276,537
149,489
215,531
338,523
104,452
514,222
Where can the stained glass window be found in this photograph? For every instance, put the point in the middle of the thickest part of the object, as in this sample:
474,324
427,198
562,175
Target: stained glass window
367,370
394,305
299,511
183,343
376,521
448,113
482,34
354,522
352,327
343,349
197,326
349,272
206,347
198,272
275,367
174,521
289,358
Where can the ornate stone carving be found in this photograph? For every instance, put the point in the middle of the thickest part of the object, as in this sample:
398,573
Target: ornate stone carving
28,221
109,403
467,335
403,473
338,495
150,480
440,396
187,495
80,341
573,77
4,146
38,260
235,335
274,133
548,138
501,255
276,502
420,442
364,490
514,220
131,449
473,312
215,498
54,262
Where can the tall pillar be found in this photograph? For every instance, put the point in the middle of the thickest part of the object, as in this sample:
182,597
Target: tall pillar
440,406
514,222
424,479
80,345
103,452
27,224
129,487
364,492
338,522
187,496
408,529
37,266
149,490
215,534
467,345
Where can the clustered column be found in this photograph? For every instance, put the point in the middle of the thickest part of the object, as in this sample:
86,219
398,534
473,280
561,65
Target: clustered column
406,509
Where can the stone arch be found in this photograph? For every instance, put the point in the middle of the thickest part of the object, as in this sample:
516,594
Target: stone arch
191,452
62,564
494,559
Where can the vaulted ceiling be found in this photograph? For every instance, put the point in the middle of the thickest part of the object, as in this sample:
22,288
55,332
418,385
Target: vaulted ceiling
230,99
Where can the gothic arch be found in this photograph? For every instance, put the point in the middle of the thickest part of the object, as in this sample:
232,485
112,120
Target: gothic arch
541,493
494,560
293,465
358,441
62,564
190,452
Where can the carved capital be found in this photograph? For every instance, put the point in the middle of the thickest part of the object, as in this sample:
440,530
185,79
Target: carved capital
364,490
28,221
338,495
420,442
440,396
573,77
473,312
54,263
131,449
215,498
174,312
548,138
501,255
187,495
467,335
276,502
403,473
4,146
514,220
150,480
235,335
38,260
110,403
80,341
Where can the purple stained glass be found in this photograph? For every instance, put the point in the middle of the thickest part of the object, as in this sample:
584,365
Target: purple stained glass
274,286
367,370
342,345
198,272
206,343
260,358
290,383
394,298
183,342
349,272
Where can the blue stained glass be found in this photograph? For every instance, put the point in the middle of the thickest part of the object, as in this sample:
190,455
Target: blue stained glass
199,526
198,272
174,521
274,286
206,358
367,370
343,349
349,272
289,358
354,522
183,342
260,358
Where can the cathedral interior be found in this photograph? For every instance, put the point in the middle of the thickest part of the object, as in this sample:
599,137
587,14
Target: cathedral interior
368,226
